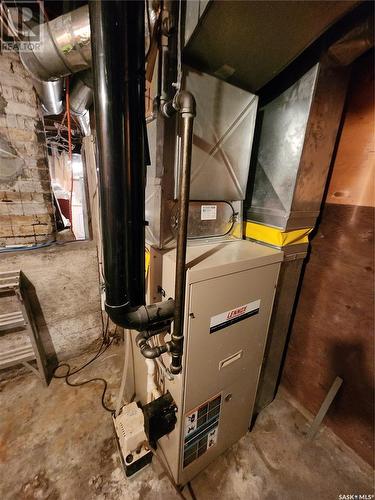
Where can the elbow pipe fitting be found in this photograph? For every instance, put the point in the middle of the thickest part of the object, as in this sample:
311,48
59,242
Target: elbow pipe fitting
183,103
166,108
142,317
151,352
146,350
145,335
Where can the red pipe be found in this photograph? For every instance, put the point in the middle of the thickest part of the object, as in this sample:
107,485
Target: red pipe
67,106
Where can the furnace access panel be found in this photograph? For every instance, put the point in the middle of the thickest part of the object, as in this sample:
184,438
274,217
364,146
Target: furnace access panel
229,297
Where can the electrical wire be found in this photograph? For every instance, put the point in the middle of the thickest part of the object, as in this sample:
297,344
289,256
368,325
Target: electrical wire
23,248
38,246
8,22
149,29
67,106
178,83
71,372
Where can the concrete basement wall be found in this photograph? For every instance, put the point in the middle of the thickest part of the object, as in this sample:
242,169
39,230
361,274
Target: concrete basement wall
26,210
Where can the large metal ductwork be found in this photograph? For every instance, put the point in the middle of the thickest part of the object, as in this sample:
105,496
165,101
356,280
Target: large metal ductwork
81,99
295,143
64,46
248,53
81,96
51,96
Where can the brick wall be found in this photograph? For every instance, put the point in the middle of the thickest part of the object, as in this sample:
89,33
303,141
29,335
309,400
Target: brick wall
26,209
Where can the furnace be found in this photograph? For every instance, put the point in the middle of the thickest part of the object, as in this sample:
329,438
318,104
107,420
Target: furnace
230,288
173,156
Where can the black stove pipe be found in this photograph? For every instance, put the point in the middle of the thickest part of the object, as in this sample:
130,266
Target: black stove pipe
117,37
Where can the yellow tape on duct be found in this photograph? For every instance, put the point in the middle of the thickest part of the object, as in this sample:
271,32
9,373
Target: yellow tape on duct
274,236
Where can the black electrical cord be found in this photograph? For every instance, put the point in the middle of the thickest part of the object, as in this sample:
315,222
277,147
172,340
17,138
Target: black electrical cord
69,371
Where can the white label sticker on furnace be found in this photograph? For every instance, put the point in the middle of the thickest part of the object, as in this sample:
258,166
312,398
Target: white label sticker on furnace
208,212
190,423
233,316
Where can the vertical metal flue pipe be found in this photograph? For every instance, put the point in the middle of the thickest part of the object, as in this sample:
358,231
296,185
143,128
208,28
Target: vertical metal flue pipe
184,102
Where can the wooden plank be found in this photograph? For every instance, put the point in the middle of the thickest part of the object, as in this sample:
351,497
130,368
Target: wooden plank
88,148
26,348
324,408
8,286
16,360
7,274
12,323
11,315
32,328
22,318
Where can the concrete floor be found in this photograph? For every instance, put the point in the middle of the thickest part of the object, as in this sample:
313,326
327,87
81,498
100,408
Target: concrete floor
57,443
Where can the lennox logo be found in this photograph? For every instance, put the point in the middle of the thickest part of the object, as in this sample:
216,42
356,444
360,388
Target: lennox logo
233,316
236,312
